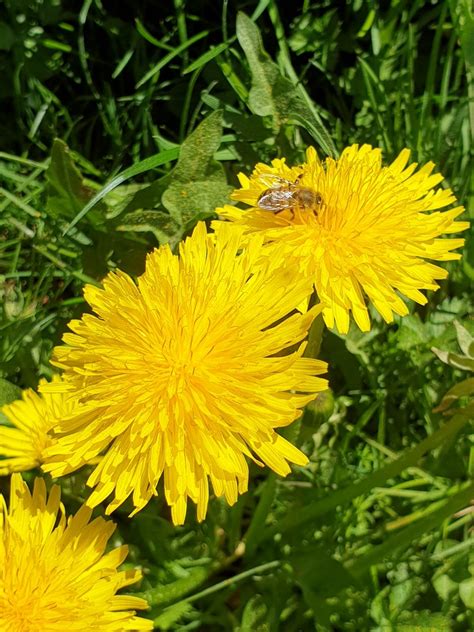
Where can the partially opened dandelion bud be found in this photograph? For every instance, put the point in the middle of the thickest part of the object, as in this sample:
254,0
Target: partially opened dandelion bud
54,572
32,417
359,229
186,374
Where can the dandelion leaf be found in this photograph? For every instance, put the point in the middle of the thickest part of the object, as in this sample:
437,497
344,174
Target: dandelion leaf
274,95
67,192
198,183
8,393
255,616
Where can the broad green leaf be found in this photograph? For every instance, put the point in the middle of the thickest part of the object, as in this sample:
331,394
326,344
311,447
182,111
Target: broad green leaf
463,389
423,622
272,94
168,593
195,200
148,164
454,359
320,577
466,592
8,393
67,193
168,619
445,586
196,154
254,616
198,183
402,591
319,571
412,332
128,198
265,74
128,252
7,36
156,222
465,340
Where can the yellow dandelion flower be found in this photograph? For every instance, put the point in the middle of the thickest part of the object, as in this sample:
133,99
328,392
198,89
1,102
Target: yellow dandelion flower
22,445
54,574
359,229
183,375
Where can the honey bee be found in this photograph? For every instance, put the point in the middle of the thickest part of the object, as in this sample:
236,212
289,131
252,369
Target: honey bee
285,195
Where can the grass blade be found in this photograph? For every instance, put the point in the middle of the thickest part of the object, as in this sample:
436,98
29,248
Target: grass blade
141,167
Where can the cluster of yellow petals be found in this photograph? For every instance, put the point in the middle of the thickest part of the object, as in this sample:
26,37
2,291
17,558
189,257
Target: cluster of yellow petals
186,374
370,235
54,572
23,443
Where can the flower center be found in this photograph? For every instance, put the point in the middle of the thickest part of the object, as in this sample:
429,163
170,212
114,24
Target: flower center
181,368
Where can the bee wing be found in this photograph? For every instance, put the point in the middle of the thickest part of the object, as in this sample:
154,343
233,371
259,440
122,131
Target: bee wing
272,181
276,200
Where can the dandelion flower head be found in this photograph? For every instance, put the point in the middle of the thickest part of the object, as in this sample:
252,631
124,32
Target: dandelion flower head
54,572
182,376
368,232
32,417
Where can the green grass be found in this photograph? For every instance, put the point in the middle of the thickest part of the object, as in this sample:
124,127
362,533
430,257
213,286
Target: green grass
368,537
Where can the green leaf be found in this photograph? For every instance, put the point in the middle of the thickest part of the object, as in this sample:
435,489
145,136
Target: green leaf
412,332
196,154
463,389
193,201
272,94
168,593
454,359
255,616
66,190
171,616
315,568
423,622
148,164
198,182
265,74
465,340
160,224
8,393
128,198
444,586
320,576
466,592
7,36
323,574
